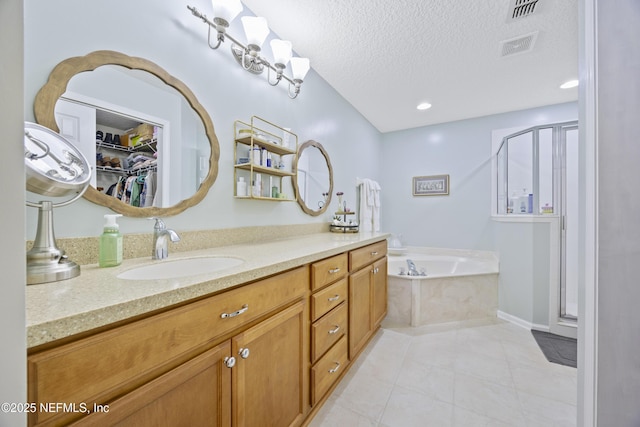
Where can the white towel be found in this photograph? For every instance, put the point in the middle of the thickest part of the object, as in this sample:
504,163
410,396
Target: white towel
369,204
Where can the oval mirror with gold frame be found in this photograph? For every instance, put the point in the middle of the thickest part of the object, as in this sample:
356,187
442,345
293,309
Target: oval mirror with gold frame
313,182
56,86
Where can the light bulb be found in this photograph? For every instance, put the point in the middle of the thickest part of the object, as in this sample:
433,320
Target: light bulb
281,51
226,9
256,29
299,68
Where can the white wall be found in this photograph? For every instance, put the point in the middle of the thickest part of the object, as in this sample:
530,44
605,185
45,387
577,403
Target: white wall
523,284
618,228
461,149
167,34
13,366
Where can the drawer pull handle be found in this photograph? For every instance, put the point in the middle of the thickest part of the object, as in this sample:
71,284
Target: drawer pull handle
374,253
334,330
334,298
229,362
334,370
334,270
235,313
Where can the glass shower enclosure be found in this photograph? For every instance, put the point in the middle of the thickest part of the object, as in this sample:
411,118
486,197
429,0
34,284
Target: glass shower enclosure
537,174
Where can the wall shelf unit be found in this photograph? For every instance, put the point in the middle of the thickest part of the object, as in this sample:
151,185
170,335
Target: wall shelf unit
264,154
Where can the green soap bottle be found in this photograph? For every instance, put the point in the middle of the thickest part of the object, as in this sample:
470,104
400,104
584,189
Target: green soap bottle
110,243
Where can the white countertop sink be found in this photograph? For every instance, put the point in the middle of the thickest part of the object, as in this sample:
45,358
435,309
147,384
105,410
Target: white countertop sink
171,269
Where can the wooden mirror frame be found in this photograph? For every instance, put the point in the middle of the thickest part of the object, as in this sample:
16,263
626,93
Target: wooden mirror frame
44,110
301,202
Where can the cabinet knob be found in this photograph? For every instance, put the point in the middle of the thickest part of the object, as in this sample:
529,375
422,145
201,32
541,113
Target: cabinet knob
334,330
334,298
334,370
334,270
374,253
244,353
235,313
229,362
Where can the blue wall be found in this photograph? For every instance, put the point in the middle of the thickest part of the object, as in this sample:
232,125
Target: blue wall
169,35
462,149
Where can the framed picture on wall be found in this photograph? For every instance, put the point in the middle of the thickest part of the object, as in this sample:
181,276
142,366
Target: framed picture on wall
434,185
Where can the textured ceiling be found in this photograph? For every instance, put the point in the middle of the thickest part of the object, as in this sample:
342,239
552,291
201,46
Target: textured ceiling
386,56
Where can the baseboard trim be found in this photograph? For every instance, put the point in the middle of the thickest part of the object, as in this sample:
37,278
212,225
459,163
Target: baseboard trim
522,323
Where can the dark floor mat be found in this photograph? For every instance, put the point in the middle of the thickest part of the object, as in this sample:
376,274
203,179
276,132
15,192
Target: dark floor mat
557,349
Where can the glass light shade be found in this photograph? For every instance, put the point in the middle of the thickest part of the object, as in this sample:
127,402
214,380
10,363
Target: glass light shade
226,9
299,68
256,29
281,51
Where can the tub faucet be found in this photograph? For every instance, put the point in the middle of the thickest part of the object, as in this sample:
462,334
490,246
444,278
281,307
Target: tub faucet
413,271
161,234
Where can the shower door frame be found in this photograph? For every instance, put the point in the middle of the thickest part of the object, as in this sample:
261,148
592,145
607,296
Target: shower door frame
563,318
559,323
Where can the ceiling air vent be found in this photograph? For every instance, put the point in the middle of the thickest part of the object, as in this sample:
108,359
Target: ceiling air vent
522,8
518,45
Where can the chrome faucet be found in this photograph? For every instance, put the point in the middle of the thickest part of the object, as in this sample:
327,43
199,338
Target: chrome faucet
413,271
161,234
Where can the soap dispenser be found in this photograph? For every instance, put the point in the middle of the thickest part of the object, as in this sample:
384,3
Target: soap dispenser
110,243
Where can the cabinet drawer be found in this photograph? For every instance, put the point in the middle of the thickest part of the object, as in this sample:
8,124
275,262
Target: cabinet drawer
328,370
326,331
328,298
360,257
97,368
328,271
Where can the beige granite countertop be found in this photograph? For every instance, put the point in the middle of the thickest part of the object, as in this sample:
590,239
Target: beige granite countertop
98,297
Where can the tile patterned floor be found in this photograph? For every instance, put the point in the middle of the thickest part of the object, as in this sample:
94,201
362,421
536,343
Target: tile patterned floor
460,375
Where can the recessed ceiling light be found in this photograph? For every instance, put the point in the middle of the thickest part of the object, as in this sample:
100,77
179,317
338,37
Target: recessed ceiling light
423,106
569,84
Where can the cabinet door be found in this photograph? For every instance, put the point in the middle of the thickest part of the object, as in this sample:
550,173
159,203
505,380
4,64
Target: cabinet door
270,382
359,310
379,292
197,393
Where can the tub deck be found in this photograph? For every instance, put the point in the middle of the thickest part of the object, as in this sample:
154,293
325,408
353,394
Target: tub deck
459,285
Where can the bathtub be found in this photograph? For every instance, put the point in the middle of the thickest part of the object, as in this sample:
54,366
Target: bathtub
458,285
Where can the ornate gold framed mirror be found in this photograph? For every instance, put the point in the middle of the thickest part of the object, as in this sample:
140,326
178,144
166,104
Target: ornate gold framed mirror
313,182
106,73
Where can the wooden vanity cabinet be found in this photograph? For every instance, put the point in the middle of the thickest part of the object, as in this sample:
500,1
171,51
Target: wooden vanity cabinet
329,327
263,354
367,294
179,363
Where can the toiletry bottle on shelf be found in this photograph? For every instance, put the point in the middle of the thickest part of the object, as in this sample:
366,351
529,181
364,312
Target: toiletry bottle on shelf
257,187
263,157
241,188
255,155
110,243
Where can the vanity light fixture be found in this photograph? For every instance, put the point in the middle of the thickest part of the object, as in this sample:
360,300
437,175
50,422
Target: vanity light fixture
569,84
423,106
249,55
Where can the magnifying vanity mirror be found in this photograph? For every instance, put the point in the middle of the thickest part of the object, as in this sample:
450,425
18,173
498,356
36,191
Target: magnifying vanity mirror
151,145
314,178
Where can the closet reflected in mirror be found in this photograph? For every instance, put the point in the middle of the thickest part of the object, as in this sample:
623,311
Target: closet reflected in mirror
314,178
151,144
